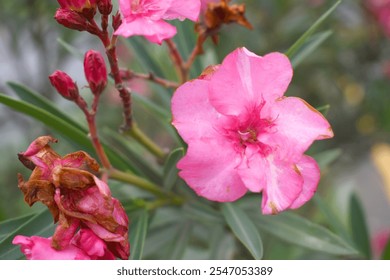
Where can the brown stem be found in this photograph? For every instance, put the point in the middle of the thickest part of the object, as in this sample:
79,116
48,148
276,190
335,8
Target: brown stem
198,49
90,116
177,60
128,75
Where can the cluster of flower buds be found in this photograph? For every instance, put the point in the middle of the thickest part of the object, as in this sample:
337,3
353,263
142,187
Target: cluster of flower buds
77,14
95,73
91,223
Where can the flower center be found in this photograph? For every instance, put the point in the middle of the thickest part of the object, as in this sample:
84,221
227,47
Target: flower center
248,136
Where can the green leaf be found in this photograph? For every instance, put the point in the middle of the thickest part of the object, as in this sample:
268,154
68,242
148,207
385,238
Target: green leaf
202,212
144,55
244,229
181,241
359,227
323,109
312,44
40,224
75,136
38,100
222,245
8,226
300,231
170,170
72,50
303,39
333,220
138,230
134,154
324,159
159,239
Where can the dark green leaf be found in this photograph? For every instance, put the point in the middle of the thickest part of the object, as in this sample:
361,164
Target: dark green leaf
38,100
359,227
303,39
8,226
202,212
75,136
324,109
159,239
222,245
40,224
181,241
244,229
138,230
300,231
333,220
170,170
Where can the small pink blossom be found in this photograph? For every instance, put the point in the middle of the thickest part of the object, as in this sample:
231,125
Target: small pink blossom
147,17
243,134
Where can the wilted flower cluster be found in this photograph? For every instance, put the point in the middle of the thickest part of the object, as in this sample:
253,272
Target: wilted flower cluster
91,223
244,135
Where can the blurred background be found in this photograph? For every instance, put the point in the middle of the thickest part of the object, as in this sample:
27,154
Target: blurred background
349,71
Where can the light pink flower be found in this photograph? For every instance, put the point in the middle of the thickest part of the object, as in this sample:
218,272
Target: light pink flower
146,17
243,134
85,245
39,248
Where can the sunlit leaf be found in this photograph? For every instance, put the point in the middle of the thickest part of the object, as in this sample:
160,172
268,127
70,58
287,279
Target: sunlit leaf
244,229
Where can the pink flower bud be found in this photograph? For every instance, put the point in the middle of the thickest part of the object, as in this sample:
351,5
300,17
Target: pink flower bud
104,6
64,85
86,8
71,19
95,71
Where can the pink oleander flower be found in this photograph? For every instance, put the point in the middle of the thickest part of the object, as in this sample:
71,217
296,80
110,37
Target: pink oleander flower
74,195
64,85
95,71
379,242
85,245
147,17
243,134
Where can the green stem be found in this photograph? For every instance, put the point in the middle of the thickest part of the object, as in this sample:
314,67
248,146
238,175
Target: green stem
144,185
145,141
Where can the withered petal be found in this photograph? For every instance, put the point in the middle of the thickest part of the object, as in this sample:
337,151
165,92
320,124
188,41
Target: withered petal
81,160
72,178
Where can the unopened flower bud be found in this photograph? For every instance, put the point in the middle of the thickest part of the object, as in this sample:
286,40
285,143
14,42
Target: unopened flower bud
95,71
64,85
116,21
86,8
71,19
104,6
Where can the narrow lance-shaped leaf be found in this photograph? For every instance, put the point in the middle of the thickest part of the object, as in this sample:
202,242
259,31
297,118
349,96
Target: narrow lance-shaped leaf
8,226
170,170
138,230
75,136
359,227
244,229
181,241
300,231
302,40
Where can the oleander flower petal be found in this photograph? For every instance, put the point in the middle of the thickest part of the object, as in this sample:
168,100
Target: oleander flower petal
244,135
